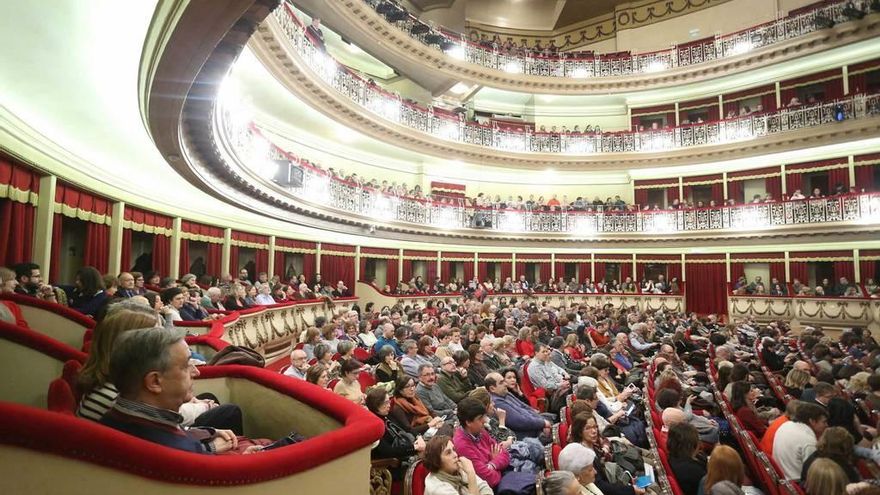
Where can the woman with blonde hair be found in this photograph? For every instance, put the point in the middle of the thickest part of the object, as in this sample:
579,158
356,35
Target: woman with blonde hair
795,381
573,348
835,444
724,464
825,477
7,286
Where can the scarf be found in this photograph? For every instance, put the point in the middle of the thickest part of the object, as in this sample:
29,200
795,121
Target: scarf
415,408
455,480
608,388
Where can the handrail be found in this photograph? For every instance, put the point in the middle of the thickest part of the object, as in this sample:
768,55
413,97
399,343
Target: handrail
252,150
438,124
581,65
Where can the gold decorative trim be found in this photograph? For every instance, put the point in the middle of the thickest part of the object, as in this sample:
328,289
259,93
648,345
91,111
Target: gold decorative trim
416,258
869,258
704,105
245,244
817,169
383,256
657,186
753,95
495,260
470,260
758,260
811,82
702,182
704,261
541,260
658,261
201,238
337,253
757,176
149,229
18,195
866,162
296,250
831,258
600,28
81,214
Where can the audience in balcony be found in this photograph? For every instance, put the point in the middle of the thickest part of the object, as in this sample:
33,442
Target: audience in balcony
87,294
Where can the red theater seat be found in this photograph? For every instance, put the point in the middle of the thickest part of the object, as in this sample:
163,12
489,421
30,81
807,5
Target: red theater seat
60,397
414,483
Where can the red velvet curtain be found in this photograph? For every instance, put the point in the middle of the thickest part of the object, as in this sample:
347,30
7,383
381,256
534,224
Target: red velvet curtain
335,268
560,270
673,270
183,262
391,275
97,248
718,192
55,256
735,190
281,268
838,176
712,294
506,270
468,270
793,182
407,274
583,271
214,259
845,269
625,270
482,270
777,271
125,258
446,270
798,270
521,270
600,271
773,186
671,195
865,177
737,270
545,270
431,271
261,260
867,269
233,261
16,232
641,197
162,253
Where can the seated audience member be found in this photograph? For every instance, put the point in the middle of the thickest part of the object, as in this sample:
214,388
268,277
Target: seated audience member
8,285
835,444
30,282
212,299
687,466
769,435
742,401
471,440
151,369
395,442
826,477
795,382
173,300
348,385
512,379
609,394
324,357
562,359
125,282
299,364
476,368
562,483
408,411
453,378
431,394
724,467
235,298
411,360
388,369
795,440
519,417
388,339
87,295
545,374
450,474
191,310
264,296
318,375
584,431
580,461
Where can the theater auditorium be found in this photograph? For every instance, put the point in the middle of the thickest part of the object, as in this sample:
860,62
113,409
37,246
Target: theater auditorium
440,247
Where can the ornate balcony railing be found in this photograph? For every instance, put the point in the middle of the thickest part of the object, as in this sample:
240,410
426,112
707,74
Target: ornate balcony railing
318,187
588,65
451,127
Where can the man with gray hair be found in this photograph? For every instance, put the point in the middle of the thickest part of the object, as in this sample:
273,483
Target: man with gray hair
411,360
438,403
211,299
151,369
638,339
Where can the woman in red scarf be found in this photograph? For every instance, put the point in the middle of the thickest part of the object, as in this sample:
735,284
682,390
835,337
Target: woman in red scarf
408,411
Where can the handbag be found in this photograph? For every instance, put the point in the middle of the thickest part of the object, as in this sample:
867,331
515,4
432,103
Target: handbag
234,354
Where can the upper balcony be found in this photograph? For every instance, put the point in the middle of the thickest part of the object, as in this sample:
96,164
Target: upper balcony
283,46
401,40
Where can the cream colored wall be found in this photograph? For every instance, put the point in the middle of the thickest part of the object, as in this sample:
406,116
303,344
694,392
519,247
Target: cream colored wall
408,89
604,46
753,270
725,18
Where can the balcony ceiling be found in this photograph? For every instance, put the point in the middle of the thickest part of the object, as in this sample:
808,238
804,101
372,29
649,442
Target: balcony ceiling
544,15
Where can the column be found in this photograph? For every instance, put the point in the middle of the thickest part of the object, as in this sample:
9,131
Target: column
857,262
224,259
635,270
593,267
677,119
787,269
439,265
477,266
851,161
782,179
317,257
43,223
553,266
115,263
727,266
357,264
174,269
724,183
271,270
681,190
779,99
399,268
683,270
513,274
845,73
721,114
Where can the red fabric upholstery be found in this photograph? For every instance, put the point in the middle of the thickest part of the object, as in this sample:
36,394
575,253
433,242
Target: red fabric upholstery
76,438
360,354
70,374
367,380
40,342
563,434
60,398
56,308
417,481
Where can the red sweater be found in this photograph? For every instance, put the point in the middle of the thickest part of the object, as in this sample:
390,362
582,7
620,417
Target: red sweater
750,421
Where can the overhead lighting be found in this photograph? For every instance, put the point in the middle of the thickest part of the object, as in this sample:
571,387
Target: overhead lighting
513,67
456,52
459,88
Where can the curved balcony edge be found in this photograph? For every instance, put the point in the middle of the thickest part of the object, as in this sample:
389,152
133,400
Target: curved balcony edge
363,23
808,311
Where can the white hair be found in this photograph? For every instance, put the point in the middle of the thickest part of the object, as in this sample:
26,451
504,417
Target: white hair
575,457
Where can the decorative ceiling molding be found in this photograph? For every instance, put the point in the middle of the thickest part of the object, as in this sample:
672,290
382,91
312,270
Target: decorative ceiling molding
602,27
274,51
357,21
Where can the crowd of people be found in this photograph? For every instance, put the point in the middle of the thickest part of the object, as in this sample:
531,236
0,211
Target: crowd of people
474,288
824,288
478,389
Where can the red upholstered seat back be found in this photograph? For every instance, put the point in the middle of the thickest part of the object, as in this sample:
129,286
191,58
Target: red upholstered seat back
563,434
332,383
70,374
60,398
367,380
360,354
299,345
416,479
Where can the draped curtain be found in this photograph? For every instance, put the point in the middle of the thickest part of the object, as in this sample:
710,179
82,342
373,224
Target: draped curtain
773,186
794,181
446,270
671,195
845,269
831,81
261,260
162,253
718,192
482,270
407,274
183,263
281,268
16,232
97,249
506,270
868,265
583,270
625,270
641,197
673,270
55,255
600,271
865,175
711,276
734,101
233,261
560,269
468,270
838,176
391,275
777,270
214,259
125,258
735,190
336,267
798,270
